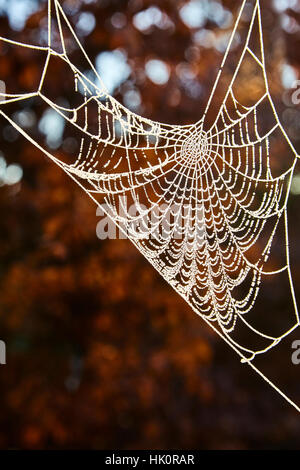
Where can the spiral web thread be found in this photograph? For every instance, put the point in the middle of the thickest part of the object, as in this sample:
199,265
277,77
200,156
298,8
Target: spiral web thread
217,180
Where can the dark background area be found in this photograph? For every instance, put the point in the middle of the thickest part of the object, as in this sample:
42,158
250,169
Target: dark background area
101,353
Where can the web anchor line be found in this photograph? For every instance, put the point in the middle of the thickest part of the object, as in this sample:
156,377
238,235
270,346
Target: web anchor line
222,172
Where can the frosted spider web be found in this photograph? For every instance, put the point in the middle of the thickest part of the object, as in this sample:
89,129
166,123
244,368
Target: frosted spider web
218,176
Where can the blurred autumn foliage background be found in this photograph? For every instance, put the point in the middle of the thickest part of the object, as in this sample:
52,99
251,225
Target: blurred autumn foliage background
101,353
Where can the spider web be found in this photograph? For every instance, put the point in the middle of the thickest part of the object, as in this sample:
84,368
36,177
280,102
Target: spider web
210,199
